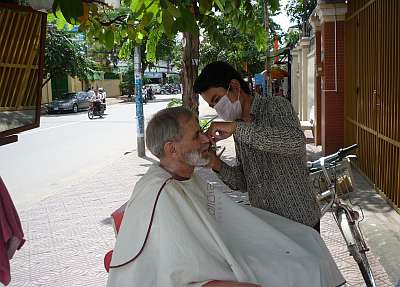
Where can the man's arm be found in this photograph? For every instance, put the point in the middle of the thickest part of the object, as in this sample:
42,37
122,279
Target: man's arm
217,283
285,138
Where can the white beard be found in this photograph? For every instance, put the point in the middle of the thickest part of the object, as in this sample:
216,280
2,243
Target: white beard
195,158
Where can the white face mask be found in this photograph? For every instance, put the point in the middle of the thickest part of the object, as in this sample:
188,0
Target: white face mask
227,110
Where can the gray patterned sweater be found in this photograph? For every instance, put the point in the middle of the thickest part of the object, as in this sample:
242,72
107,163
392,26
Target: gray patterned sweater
271,155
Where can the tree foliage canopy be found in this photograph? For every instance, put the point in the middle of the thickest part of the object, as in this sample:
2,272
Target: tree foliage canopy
146,21
63,56
224,41
300,10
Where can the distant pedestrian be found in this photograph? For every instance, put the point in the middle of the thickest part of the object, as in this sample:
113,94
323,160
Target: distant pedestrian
149,93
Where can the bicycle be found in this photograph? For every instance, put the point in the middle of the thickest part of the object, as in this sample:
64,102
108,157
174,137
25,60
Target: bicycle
332,178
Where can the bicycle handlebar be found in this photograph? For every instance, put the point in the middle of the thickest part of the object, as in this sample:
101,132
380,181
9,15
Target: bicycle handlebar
345,151
337,156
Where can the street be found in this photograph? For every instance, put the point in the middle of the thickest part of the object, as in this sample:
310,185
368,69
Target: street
67,146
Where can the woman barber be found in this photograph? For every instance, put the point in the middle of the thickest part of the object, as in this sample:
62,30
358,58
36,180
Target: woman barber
270,145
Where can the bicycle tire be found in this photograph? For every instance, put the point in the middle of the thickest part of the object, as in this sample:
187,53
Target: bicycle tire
355,245
363,263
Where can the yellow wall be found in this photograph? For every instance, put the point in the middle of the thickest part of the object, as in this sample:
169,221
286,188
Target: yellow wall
110,86
75,85
46,93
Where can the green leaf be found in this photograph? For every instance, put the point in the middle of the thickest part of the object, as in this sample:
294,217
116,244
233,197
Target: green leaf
188,22
136,5
205,6
261,39
126,50
160,17
147,19
61,24
167,22
51,17
151,45
164,4
71,9
220,4
140,35
274,5
123,32
154,7
228,9
102,36
132,34
109,39
173,10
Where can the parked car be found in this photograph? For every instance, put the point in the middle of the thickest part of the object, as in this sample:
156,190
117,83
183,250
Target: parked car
70,102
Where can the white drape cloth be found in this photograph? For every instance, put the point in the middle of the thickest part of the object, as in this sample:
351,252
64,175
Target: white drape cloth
199,235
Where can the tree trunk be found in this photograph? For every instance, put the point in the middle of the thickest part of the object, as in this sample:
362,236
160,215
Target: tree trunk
190,70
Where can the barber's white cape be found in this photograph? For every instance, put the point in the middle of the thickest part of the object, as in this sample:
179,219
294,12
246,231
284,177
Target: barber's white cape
198,236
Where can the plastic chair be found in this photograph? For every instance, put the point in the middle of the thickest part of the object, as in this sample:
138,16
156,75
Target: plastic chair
116,217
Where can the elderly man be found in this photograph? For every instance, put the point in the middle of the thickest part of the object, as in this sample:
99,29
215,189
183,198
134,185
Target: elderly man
176,232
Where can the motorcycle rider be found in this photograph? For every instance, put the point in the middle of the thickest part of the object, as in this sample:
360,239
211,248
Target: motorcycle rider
97,101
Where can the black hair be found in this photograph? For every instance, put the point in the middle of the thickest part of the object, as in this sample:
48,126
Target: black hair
218,74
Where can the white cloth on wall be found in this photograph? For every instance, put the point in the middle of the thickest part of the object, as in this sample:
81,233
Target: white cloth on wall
200,235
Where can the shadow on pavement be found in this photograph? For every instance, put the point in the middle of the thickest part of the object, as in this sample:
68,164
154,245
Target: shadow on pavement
156,100
55,115
366,196
106,221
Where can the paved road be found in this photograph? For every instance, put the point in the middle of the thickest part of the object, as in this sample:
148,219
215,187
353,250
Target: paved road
68,146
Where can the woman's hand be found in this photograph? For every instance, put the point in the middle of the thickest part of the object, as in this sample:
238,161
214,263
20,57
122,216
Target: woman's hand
221,130
215,162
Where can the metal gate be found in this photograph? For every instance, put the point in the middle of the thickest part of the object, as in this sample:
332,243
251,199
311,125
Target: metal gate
372,91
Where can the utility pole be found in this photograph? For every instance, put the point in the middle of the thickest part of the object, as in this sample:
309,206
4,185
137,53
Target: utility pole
139,103
267,61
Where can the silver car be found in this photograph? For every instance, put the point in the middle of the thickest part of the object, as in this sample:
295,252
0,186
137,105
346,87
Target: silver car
70,102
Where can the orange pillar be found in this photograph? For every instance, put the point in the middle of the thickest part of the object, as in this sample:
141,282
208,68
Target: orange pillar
332,18
316,24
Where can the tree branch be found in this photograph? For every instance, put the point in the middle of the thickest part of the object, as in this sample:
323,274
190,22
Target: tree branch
115,20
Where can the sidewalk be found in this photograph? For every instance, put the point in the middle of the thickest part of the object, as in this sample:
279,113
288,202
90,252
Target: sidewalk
69,233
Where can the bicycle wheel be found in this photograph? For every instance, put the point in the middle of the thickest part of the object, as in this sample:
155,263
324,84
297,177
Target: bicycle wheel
363,263
355,244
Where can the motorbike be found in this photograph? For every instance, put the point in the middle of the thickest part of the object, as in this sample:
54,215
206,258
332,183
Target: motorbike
96,108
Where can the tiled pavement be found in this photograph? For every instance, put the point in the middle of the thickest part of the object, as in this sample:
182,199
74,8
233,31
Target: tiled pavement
69,232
